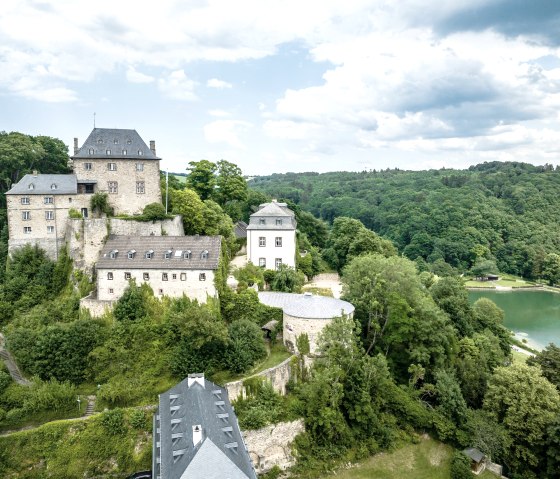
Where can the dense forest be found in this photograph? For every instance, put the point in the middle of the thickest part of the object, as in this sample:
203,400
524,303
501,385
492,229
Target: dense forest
504,212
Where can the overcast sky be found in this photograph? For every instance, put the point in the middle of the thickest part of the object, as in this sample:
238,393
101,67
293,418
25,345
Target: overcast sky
306,85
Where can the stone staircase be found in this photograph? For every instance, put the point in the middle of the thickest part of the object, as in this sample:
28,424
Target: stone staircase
13,368
90,406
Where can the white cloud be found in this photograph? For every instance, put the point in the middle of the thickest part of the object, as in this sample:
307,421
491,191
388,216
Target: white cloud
219,113
134,76
226,131
178,86
218,84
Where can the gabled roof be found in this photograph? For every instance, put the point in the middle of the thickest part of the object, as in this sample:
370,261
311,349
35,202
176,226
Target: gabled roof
307,305
217,451
475,454
240,229
45,185
101,140
265,218
175,246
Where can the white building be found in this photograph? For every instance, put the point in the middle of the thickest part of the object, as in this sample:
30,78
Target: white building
305,314
271,236
172,266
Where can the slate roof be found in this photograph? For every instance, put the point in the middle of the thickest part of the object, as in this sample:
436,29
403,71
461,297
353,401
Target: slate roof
45,184
218,453
475,454
270,212
178,245
116,140
240,229
307,305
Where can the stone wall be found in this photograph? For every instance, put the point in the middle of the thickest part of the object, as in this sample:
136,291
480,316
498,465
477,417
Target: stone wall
271,445
96,306
278,376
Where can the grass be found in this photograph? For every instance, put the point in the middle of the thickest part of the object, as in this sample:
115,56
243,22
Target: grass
506,280
318,291
277,353
518,358
429,459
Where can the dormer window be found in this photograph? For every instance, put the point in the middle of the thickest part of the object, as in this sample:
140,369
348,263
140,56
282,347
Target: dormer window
91,151
140,152
99,140
31,186
129,141
131,254
114,253
115,141
124,152
187,254
108,152
204,254
262,221
149,254
168,254
54,186
278,222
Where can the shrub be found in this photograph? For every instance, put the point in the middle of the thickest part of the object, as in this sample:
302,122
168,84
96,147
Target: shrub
154,211
246,346
138,419
100,203
75,214
460,466
113,422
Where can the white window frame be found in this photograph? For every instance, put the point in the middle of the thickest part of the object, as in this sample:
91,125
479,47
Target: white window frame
140,187
48,200
49,215
27,230
262,262
50,229
25,200
183,276
262,241
88,166
164,277
278,221
113,187
112,166
278,241
146,276
26,215
139,166
127,275
277,263
109,276
202,277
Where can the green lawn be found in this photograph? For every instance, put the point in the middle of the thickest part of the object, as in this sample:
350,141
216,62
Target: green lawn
506,280
429,459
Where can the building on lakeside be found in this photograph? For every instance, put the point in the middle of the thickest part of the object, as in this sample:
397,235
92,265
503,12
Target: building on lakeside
305,314
271,236
196,434
172,265
117,162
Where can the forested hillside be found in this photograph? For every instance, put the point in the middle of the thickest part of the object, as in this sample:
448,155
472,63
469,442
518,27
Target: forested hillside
507,212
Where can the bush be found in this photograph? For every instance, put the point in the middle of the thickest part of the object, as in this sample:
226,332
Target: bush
246,346
460,466
113,422
154,211
75,214
138,419
100,203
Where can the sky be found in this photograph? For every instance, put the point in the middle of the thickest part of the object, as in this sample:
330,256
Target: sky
278,86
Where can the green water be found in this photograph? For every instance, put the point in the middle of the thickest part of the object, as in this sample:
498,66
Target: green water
531,315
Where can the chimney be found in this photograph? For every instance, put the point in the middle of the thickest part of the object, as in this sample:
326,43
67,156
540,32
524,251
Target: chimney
196,434
153,146
35,173
195,378
76,149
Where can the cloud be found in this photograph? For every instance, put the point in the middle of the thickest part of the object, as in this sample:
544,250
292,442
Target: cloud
226,131
219,84
134,76
178,86
219,113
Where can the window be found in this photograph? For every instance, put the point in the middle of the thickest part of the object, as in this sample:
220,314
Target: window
168,254
140,187
110,276
108,152
49,215
91,151
139,166
262,262
187,254
278,263
99,140
31,186
89,188
26,215
183,276
114,253
262,241
140,152
111,290
127,275
146,276
50,229
160,291
204,254
84,212
113,187
115,141
54,186
149,254
202,277
164,276
25,200
131,254
48,200
262,221
88,166
112,166
278,241
173,276
27,230
278,222
129,141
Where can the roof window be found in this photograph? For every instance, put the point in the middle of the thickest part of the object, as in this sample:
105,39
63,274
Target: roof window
140,152
178,253
131,254
168,253
129,141
149,254
108,152
115,141
31,186
114,253
54,186
99,140
187,254
204,254
91,151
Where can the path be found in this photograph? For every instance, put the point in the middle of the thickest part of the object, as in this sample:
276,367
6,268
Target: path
329,281
11,364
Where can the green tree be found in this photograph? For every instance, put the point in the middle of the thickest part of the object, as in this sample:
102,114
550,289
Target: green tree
246,346
488,316
287,279
188,204
201,178
521,399
451,296
484,268
450,399
460,466
551,268
131,305
154,211
230,184
549,361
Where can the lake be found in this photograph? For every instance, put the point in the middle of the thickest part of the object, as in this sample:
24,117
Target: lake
531,315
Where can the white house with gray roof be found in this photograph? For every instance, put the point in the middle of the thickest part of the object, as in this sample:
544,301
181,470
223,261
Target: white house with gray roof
305,314
172,265
196,434
271,236
114,161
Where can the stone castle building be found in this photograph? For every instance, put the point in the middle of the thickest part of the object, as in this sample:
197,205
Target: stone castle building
117,162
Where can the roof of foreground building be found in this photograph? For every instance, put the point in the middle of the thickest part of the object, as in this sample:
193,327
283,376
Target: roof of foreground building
272,216
115,143
48,184
196,434
306,305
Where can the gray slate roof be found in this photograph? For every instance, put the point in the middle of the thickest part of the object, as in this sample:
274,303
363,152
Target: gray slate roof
159,245
221,452
102,139
270,212
45,185
475,454
307,305
240,229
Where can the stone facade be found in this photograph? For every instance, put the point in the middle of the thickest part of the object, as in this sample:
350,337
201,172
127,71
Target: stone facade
271,445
